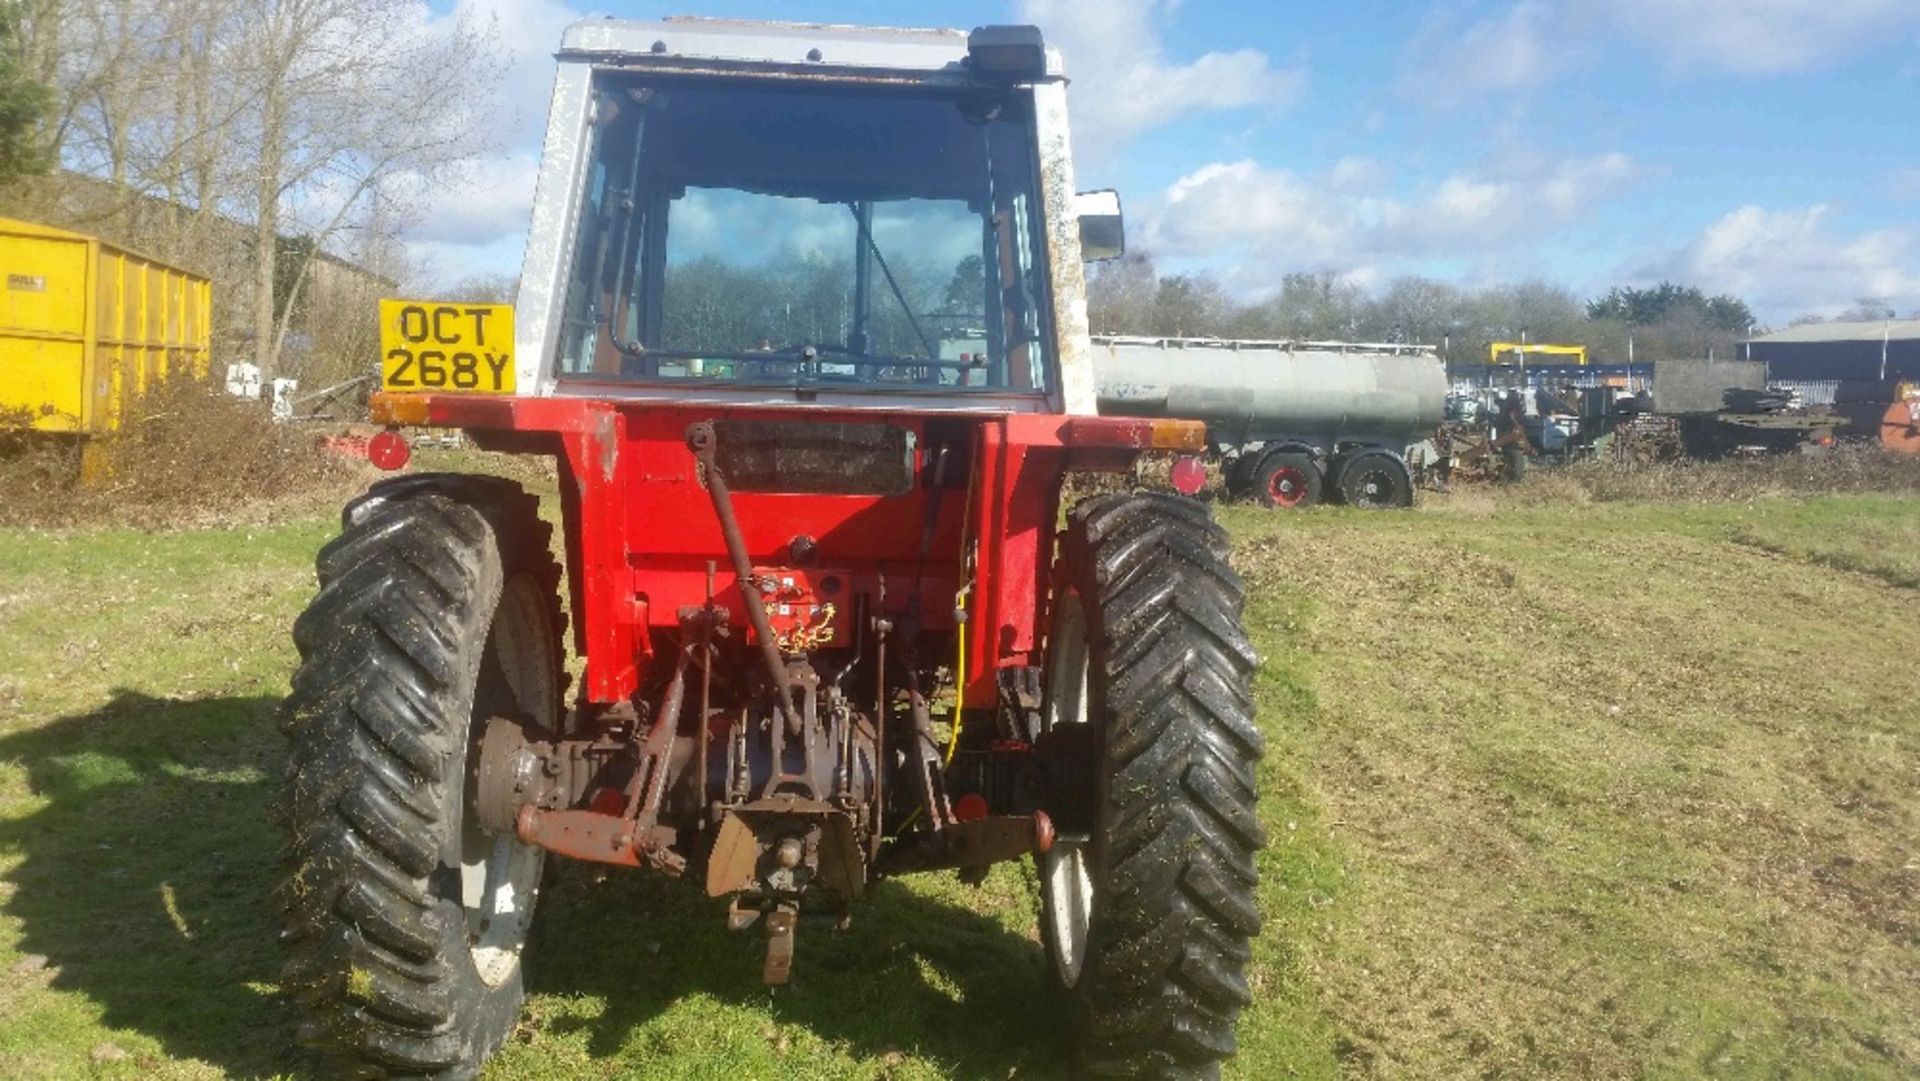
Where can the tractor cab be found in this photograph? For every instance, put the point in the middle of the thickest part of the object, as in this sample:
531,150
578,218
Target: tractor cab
770,214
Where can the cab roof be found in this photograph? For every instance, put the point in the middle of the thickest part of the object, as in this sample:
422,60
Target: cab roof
678,40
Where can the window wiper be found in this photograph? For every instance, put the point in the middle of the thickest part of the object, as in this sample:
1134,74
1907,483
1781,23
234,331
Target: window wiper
866,235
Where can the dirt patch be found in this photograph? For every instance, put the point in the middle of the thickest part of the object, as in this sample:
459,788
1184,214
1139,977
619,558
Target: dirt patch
187,455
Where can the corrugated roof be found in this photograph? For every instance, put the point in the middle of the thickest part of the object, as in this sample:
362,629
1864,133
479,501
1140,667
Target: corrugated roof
1899,330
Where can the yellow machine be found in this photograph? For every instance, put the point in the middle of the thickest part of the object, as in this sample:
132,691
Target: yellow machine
85,327
1518,352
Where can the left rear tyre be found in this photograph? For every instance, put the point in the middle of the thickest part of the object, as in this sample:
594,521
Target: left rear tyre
404,918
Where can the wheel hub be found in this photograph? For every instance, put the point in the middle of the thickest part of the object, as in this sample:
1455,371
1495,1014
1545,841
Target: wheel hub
499,876
1287,487
1066,871
510,773
1069,884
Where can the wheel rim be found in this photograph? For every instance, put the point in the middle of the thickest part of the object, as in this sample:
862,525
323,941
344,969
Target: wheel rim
499,876
1375,489
1066,873
1287,487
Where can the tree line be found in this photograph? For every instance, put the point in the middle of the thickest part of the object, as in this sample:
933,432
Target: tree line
1130,296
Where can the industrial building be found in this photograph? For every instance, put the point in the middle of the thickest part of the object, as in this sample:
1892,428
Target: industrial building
1878,351
1865,372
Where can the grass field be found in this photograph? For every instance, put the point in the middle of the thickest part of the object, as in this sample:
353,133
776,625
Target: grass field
1620,789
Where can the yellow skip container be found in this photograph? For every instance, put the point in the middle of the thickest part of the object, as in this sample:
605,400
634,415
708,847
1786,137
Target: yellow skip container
85,327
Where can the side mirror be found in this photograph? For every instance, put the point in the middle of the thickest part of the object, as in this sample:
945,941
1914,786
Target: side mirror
1103,235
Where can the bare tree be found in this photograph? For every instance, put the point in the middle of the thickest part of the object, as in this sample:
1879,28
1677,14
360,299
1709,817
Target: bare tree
1120,294
1321,305
1412,309
1867,309
484,289
1191,306
309,120
351,95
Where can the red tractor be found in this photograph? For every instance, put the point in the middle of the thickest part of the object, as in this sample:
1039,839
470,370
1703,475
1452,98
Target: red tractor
802,325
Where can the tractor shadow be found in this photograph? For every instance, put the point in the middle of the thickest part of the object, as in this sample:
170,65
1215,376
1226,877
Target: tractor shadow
143,855
913,975
139,881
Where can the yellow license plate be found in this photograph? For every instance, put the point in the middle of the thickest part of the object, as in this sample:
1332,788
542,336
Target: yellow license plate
446,347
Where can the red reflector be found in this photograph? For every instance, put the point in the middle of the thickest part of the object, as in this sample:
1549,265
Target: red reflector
970,807
389,451
1189,475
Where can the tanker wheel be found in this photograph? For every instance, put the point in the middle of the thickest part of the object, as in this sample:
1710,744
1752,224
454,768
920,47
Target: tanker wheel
1148,906
1287,480
1374,480
404,919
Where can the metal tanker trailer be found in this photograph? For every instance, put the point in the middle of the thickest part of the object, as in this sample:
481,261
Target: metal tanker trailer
1290,422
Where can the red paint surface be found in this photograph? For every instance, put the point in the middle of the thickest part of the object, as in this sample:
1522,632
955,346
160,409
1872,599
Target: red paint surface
642,530
1287,487
1900,427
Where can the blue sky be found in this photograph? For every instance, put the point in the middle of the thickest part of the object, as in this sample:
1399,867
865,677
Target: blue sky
1769,148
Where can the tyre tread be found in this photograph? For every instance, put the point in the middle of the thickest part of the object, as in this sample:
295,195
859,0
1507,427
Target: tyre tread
1166,975
370,722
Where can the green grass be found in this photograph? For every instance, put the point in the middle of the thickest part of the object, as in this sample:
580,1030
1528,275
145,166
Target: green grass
1612,790
1621,789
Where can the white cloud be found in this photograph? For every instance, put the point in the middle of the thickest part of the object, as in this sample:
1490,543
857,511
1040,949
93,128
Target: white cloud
1223,206
1759,36
1123,82
1789,262
1468,50
1455,56
487,210
527,34
1573,186
1251,219
1356,173
432,264
493,199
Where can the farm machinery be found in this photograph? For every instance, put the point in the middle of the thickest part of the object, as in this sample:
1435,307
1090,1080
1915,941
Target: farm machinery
1291,423
836,619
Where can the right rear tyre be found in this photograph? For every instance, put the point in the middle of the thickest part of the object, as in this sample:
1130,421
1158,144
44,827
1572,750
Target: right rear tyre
1149,905
404,918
